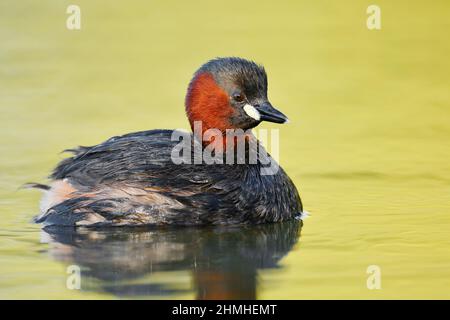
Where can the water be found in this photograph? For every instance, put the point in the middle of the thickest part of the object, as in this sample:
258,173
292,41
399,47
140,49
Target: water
222,262
367,145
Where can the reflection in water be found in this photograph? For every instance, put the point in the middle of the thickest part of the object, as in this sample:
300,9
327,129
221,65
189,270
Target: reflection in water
223,260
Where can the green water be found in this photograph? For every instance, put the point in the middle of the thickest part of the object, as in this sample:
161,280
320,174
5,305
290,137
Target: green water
367,145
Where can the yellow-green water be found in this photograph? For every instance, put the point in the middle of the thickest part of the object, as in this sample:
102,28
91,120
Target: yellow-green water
367,146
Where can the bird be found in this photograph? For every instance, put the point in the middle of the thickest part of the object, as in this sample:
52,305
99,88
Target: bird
135,180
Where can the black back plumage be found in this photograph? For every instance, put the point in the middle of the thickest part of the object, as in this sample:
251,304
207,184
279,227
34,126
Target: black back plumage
185,194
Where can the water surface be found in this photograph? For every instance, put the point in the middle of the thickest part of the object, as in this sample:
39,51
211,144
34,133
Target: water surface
367,145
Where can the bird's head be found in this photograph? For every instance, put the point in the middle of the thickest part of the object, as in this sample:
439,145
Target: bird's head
230,93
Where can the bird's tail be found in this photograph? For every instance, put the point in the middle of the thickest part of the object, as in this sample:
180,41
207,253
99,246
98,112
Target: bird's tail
34,185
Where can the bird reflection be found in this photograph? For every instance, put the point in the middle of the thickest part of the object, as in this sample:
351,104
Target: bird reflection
223,261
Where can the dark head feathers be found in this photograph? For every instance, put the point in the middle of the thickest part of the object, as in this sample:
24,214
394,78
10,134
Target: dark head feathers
244,73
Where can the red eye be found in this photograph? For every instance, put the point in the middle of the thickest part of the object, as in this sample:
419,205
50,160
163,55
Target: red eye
238,97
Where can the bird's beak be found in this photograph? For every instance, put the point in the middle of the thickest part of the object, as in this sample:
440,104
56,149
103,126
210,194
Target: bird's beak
269,113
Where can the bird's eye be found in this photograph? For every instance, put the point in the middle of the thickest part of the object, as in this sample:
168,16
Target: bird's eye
238,97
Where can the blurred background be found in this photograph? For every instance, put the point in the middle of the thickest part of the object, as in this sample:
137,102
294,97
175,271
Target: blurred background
367,145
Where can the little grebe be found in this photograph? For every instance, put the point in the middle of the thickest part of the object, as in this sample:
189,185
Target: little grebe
133,179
